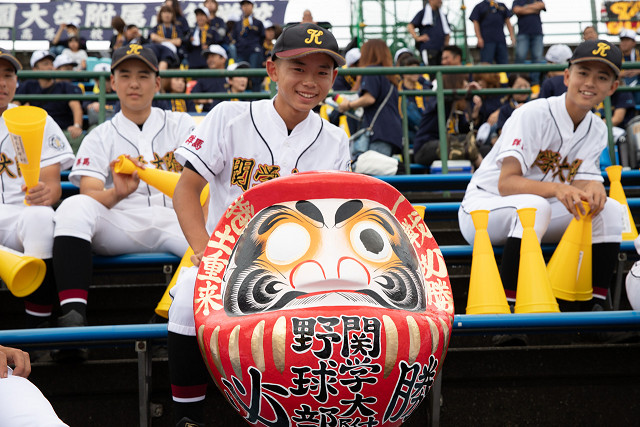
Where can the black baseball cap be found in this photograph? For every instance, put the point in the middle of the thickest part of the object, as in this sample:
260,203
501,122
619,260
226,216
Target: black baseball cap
134,51
7,56
598,50
304,39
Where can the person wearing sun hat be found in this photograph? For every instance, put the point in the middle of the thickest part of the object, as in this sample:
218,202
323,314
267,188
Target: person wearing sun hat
216,59
548,157
67,114
553,84
264,139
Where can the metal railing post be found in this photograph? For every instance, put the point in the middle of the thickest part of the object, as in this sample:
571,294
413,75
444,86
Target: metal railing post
406,156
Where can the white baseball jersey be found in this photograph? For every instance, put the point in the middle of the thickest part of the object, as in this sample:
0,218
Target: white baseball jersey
55,149
540,135
241,144
154,144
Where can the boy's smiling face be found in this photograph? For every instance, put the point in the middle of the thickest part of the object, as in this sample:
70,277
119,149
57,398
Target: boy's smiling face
588,84
303,83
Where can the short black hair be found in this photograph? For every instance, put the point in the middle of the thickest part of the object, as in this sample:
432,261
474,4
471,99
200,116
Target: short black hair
409,61
455,50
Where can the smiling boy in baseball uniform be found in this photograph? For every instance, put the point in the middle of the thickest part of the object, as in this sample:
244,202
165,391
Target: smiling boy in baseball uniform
29,229
239,145
116,213
547,157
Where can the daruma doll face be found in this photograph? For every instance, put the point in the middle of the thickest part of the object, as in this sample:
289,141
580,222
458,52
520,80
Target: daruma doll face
322,307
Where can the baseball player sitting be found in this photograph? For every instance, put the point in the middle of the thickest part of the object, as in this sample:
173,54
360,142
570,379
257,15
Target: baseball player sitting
116,213
29,229
547,157
268,139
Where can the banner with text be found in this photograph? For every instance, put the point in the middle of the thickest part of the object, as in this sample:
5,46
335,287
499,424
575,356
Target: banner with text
40,21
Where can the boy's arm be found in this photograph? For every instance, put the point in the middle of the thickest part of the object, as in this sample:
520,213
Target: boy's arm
186,203
512,182
123,185
48,189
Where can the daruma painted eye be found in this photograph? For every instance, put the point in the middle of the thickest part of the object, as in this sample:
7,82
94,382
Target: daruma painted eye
287,243
371,241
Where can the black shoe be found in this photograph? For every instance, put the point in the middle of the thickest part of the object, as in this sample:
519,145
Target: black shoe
510,340
187,422
71,355
606,337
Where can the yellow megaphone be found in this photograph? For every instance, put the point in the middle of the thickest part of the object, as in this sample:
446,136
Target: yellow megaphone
160,179
26,130
162,309
22,274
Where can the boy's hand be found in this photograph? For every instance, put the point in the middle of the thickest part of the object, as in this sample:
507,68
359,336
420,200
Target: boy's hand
20,359
123,183
596,196
571,197
39,195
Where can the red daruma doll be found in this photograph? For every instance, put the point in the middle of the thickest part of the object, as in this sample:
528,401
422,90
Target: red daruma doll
323,299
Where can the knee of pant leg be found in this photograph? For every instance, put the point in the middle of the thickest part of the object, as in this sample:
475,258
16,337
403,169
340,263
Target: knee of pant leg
543,214
609,224
35,228
77,216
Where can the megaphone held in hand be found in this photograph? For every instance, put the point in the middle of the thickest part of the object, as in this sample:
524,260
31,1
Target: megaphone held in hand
26,129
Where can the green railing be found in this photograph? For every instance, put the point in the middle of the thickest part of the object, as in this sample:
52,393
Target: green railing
436,73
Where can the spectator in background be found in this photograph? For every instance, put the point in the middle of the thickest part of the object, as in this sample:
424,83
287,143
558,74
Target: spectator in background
514,100
485,107
73,51
179,16
216,58
630,53
118,38
248,34
377,92
451,55
401,54
307,17
433,32
426,146
220,27
589,33
415,104
168,33
178,85
60,40
269,40
347,83
489,18
200,38
67,114
93,107
554,85
529,39
65,63
237,84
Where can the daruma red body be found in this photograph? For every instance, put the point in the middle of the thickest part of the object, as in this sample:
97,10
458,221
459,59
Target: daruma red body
323,300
